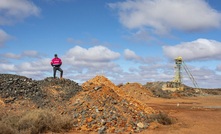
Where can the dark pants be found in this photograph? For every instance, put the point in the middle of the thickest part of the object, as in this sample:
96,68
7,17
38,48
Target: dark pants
59,69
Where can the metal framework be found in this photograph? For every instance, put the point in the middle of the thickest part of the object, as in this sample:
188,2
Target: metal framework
176,83
178,72
190,75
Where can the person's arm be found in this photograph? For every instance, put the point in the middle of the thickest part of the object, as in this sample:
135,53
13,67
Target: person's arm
60,62
52,63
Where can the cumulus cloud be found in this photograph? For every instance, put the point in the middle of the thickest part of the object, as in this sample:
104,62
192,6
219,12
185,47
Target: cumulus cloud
3,37
164,15
39,65
34,69
16,10
200,49
78,61
93,54
130,55
30,53
24,54
91,60
11,56
7,67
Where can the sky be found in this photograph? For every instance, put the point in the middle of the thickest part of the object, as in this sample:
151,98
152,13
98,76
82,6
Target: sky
124,40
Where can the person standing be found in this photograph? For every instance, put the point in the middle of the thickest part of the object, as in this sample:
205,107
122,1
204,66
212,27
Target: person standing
56,64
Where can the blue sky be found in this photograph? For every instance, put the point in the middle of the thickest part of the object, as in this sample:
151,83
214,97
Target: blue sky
125,40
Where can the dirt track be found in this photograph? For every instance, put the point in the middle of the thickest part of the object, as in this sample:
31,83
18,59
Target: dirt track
195,115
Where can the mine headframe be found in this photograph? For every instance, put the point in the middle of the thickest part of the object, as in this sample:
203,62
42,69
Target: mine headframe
176,83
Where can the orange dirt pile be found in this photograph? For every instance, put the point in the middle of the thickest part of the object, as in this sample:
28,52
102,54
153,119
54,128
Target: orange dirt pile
104,107
136,90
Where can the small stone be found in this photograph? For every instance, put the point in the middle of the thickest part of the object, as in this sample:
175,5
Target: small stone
140,125
89,119
98,87
102,130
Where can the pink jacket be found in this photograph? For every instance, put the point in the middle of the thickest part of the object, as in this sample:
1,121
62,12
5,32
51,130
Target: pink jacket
56,62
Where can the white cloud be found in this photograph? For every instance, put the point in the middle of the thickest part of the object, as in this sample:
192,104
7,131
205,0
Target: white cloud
35,69
3,37
93,60
164,15
203,49
77,61
30,53
7,67
93,54
39,65
205,78
11,56
16,10
218,68
25,54
130,55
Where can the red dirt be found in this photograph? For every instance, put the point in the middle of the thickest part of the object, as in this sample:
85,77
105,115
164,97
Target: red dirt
195,115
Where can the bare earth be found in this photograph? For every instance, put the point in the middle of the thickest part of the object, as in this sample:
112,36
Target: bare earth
195,115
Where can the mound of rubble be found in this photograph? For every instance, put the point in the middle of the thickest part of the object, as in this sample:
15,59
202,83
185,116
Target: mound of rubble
97,105
104,107
156,90
43,93
136,90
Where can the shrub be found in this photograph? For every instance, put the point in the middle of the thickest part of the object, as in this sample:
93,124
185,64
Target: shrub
35,122
161,118
6,129
39,121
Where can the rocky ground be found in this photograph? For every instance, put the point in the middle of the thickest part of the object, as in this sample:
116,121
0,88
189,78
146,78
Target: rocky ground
104,107
97,105
43,93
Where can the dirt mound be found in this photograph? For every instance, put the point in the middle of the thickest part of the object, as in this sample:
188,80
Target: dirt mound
212,91
156,89
136,90
15,87
42,93
98,105
104,107
62,89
